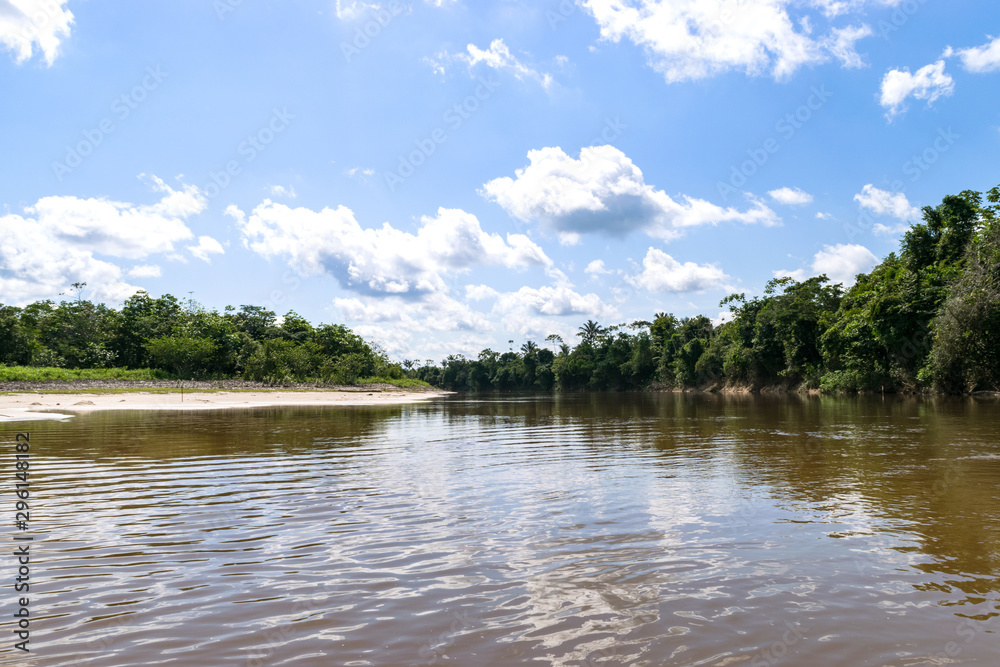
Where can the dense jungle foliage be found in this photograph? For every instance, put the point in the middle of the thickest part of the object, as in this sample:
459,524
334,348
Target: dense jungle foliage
184,341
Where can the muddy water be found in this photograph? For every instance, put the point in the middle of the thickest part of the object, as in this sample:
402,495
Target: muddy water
575,530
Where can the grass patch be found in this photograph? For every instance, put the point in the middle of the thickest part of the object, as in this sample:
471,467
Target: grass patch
405,383
45,373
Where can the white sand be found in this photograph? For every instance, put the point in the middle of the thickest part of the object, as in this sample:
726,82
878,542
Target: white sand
30,406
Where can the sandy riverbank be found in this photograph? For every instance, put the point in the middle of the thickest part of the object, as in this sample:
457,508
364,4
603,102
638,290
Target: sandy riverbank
33,405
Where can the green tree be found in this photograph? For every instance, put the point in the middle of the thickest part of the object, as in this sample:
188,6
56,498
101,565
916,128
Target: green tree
182,356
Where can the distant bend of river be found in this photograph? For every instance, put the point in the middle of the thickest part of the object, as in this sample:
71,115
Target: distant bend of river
567,530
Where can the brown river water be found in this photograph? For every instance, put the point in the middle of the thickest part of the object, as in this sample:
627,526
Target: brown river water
575,530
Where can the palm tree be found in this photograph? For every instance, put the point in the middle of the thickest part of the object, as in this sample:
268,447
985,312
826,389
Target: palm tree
528,348
590,331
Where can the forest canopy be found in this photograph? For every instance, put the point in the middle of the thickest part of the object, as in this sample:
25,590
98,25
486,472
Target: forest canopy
186,341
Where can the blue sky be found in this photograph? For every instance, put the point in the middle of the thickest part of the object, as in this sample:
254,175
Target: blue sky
445,176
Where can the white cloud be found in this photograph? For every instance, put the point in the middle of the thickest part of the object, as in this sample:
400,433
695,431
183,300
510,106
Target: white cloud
121,229
438,324
497,56
206,246
694,39
480,292
928,83
596,268
791,196
384,260
145,271
841,263
603,191
663,273
882,202
529,311
437,312
351,10
981,59
723,317
56,242
282,191
823,216
555,301
798,274
890,230
842,44
29,24
360,172
407,327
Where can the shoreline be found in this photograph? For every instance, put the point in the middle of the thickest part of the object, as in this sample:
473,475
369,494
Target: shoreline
35,405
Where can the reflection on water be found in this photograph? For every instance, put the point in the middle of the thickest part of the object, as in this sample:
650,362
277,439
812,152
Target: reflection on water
570,530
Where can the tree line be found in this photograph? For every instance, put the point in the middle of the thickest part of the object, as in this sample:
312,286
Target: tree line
926,318
186,341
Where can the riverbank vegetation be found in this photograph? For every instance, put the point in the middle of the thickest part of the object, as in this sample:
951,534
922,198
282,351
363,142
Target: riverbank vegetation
926,319
161,338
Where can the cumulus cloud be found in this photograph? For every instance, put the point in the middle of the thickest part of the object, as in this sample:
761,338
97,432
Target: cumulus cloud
381,260
27,25
206,246
496,56
555,301
480,292
927,83
437,312
282,191
596,268
791,196
406,327
841,263
603,191
882,202
723,317
662,273
145,271
694,39
981,59
57,240
529,310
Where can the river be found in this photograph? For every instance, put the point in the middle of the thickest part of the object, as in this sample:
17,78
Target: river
572,530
